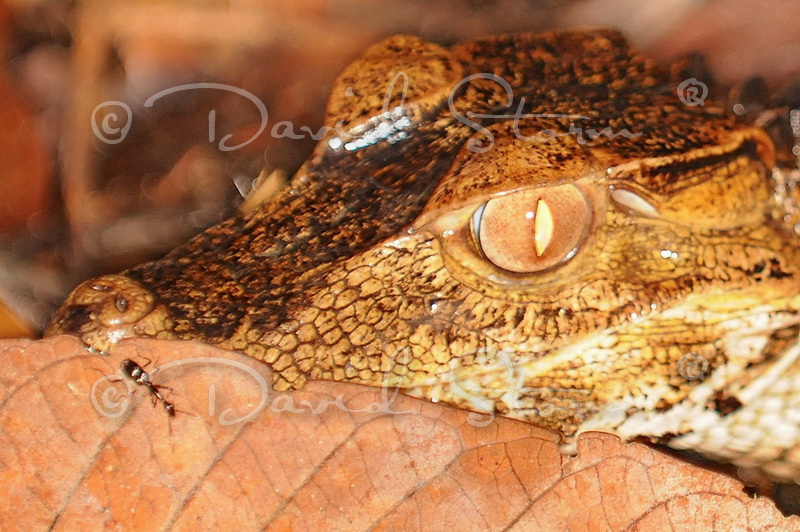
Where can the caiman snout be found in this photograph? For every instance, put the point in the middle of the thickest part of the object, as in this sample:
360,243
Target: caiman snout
104,310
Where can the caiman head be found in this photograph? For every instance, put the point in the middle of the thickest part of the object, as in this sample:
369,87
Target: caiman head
538,226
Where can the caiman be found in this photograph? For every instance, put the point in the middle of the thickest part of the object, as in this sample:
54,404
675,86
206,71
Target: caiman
543,227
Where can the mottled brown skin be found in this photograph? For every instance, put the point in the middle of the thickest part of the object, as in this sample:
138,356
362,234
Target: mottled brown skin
364,270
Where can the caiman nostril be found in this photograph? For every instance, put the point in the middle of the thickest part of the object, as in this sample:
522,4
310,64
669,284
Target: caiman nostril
121,303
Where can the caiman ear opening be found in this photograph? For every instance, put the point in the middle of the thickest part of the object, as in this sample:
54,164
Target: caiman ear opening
397,84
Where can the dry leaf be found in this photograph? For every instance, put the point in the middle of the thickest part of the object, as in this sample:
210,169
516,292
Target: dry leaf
332,456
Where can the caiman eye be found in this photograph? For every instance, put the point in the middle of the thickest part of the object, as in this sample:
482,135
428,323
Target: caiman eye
532,230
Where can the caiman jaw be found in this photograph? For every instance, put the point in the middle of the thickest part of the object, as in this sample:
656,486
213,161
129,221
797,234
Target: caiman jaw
105,310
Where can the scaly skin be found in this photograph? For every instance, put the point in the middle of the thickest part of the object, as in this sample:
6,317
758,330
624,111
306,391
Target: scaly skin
675,316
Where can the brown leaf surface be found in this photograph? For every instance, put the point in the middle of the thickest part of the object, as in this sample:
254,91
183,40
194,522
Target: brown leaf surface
67,465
